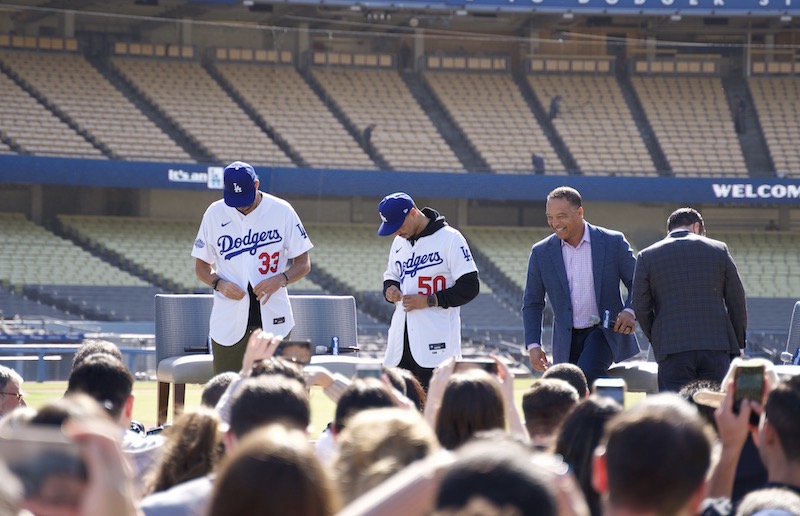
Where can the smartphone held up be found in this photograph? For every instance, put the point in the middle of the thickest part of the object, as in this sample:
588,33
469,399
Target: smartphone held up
47,464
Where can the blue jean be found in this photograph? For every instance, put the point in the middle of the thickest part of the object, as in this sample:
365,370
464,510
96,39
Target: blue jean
591,352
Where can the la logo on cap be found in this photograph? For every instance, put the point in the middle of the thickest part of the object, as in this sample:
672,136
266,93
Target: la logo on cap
237,188
383,218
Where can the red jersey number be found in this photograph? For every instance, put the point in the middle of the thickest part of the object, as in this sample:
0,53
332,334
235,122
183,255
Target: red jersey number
269,263
428,285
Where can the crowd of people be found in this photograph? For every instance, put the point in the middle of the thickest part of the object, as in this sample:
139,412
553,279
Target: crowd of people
434,434
463,448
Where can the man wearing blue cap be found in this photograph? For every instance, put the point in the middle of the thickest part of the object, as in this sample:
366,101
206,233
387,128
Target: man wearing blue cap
242,250
430,274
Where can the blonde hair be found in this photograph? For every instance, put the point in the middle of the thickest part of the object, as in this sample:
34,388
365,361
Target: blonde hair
376,444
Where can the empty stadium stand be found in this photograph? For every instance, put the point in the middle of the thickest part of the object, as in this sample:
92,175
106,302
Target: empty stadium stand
281,96
31,255
777,102
595,123
491,111
158,249
99,303
507,247
190,97
84,95
33,127
404,136
692,121
333,252
13,304
768,261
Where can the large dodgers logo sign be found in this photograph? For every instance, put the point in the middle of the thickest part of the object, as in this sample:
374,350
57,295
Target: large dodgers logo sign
216,178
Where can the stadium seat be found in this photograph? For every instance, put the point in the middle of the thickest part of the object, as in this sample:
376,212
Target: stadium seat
182,347
404,135
491,111
289,105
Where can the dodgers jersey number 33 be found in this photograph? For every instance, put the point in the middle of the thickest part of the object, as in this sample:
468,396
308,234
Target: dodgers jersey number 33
247,250
432,264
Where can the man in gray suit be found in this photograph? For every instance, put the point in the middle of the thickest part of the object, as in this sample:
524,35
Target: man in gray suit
690,303
579,267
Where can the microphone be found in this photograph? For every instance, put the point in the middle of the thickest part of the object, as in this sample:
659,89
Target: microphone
786,357
322,350
594,320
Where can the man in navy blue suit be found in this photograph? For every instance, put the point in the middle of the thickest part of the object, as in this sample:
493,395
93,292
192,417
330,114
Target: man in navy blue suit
579,268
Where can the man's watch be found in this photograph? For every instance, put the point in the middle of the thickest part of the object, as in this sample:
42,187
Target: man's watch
433,301
215,283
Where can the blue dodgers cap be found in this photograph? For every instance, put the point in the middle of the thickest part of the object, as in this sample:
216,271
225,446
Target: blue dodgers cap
240,184
393,210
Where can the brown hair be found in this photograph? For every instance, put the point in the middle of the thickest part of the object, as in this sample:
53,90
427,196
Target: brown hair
281,459
192,449
471,402
657,454
545,405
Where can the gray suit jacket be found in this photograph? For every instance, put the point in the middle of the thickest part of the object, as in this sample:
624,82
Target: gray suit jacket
612,261
688,296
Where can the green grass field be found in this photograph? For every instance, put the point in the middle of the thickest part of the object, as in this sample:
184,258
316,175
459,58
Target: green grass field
144,408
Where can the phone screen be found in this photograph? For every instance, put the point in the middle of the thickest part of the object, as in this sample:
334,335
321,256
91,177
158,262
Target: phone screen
48,465
613,388
298,351
748,384
486,364
369,371
615,393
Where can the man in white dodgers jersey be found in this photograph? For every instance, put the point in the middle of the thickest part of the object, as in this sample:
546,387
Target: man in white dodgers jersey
430,274
242,250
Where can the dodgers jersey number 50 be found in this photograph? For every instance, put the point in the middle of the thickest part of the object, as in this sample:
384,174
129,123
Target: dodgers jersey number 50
433,264
246,250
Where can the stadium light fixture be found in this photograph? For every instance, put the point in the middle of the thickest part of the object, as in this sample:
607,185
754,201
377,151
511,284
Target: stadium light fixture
786,18
675,17
568,16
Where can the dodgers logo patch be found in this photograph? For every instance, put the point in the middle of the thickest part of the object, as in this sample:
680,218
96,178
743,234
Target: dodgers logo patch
199,244
230,247
416,263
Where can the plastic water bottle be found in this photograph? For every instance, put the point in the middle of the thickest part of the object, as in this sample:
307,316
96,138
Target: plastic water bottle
334,345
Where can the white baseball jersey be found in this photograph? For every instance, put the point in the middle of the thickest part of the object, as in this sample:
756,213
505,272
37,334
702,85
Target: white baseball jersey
249,249
434,263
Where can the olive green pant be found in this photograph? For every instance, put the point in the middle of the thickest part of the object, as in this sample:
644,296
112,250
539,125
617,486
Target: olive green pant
229,358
